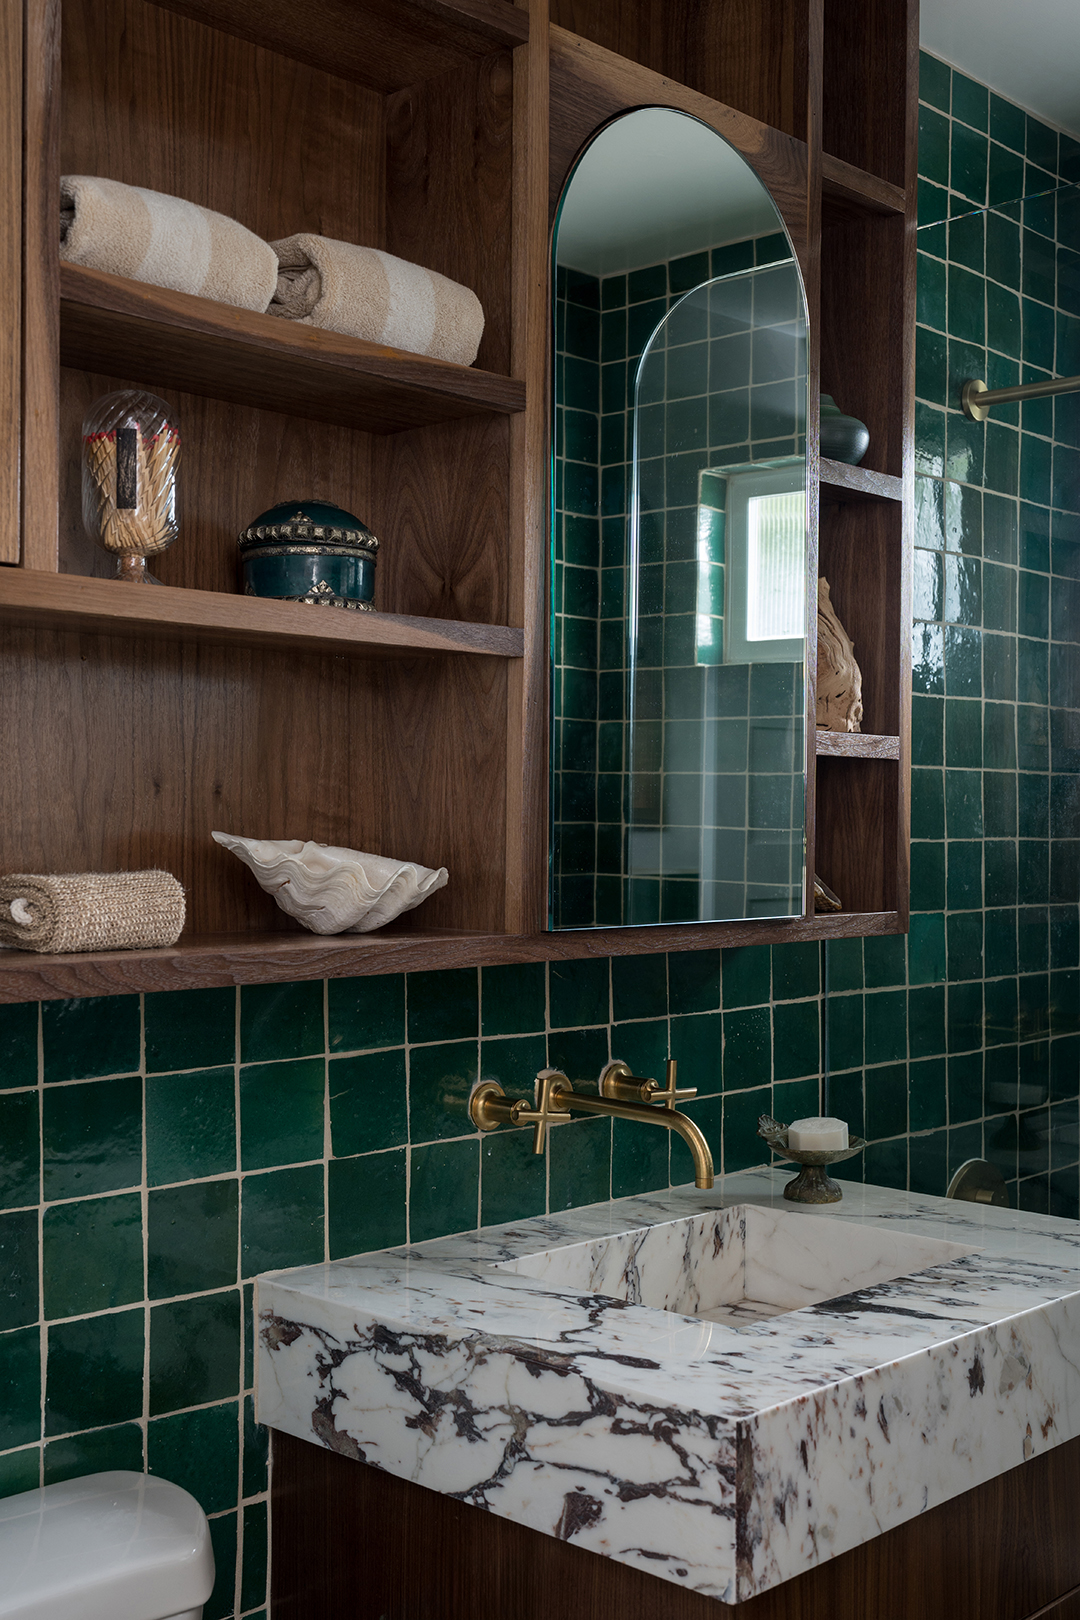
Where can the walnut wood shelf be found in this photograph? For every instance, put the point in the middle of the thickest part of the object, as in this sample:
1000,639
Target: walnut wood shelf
204,961
104,605
848,192
385,44
855,745
163,338
842,482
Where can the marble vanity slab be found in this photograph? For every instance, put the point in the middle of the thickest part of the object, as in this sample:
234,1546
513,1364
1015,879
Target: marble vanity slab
715,1387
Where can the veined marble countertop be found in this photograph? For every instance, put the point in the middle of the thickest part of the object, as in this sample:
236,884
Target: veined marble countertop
724,1452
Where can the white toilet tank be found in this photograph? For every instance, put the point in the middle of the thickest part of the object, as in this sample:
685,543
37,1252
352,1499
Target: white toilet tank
116,1546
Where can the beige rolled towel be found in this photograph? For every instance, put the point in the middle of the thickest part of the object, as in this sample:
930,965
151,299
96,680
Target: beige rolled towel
90,911
368,294
149,236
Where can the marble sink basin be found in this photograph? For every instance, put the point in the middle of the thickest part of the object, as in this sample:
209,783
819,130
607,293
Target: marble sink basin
738,1265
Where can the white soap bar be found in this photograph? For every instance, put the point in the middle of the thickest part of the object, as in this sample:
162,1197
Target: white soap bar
818,1135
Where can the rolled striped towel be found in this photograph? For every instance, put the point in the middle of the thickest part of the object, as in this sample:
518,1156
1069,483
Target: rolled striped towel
369,294
90,911
149,236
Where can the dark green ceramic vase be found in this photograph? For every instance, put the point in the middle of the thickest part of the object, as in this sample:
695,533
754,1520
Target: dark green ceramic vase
843,438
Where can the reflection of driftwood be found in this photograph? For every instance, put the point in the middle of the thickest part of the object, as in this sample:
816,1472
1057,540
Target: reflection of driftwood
824,898
839,680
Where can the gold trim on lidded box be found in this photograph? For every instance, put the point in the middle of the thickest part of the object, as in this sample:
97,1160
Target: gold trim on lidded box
311,552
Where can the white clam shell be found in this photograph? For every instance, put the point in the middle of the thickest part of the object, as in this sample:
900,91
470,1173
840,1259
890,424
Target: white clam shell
330,890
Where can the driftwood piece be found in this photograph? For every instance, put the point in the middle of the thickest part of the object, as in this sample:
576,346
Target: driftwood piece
839,679
824,898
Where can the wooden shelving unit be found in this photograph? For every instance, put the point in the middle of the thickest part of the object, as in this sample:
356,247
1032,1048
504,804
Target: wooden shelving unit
442,131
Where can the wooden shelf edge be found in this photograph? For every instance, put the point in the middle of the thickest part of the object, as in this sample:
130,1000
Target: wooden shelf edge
216,349
222,960
842,482
104,605
342,37
856,745
845,184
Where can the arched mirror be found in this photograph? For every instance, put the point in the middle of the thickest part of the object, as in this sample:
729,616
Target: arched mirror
678,610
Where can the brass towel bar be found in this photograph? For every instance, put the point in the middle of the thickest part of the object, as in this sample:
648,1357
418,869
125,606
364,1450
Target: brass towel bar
977,399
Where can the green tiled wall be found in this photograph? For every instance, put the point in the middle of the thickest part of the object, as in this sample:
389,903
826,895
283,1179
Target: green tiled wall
157,1151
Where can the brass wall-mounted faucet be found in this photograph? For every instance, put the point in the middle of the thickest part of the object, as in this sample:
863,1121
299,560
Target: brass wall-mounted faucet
622,1095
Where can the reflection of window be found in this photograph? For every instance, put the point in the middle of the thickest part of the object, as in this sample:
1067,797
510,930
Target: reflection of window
765,545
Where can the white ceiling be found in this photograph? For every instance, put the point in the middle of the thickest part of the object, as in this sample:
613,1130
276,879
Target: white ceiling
1026,50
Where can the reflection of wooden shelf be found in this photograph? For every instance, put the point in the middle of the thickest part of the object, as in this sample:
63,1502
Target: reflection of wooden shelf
848,192
855,745
386,44
29,597
168,339
841,482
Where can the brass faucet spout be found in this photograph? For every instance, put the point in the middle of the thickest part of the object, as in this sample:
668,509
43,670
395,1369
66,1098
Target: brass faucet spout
669,1118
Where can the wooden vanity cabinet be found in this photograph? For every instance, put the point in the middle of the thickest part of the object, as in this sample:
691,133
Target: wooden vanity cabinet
137,720
350,1542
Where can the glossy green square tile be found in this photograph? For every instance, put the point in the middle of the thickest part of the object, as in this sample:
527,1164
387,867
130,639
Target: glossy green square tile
999,666
927,804
1001,467
281,1112
1000,1077
579,1157
933,146
92,1254
967,242
963,524
965,1087
368,1103
742,1147
1035,470
962,650
970,101
969,153
926,1020
999,804
796,971
639,986
931,366
1008,123
643,1045
92,1137
1040,337
999,857
929,439
19,1268
367,1203
928,1166
927,730
964,933
1003,251
194,1351
930,285
927,877
926,949
365,1013
89,1037
639,1159
885,958
19,1136
513,1179
1000,1026
253,1577
20,1471
248,1292
927,1095
746,975
1005,180
94,1372
513,998
965,443
694,981
514,1062
1033,673
443,1189
697,1047
199,1451
886,1101
281,1219
886,1026
1003,330
962,598
443,1006
842,1098
747,1048
94,1452
885,1164
1064,936
796,1040
934,81
1042,145
441,1079
1033,746
281,1021
963,803
256,1451
929,513
927,585
20,1386
18,1045
999,736
190,1125
190,1029
964,1014
844,1014
1033,939
223,1539
580,1054
963,733
1033,870
191,1238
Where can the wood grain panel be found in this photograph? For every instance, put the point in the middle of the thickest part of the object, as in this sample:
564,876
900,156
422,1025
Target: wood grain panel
125,753
841,482
855,745
849,193
449,178
168,339
153,99
865,288
11,252
749,54
383,43
41,269
855,851
862,557
589,85
870,67
345,1539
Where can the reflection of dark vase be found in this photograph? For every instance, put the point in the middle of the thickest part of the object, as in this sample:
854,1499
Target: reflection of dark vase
843,438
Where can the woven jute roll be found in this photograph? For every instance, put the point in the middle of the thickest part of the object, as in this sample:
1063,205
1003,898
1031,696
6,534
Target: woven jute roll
90,911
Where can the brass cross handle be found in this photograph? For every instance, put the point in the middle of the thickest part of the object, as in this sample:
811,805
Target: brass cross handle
490,1107
618,1084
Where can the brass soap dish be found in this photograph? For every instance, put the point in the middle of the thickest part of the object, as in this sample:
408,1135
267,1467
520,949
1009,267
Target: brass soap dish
812,1185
